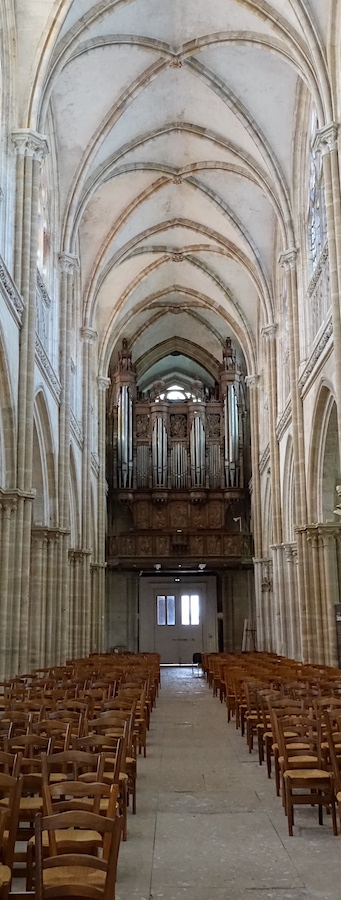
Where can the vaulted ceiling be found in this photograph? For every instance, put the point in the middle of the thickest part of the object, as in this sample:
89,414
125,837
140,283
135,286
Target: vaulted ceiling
171,125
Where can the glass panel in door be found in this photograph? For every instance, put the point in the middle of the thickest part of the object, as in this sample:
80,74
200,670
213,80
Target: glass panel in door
178,625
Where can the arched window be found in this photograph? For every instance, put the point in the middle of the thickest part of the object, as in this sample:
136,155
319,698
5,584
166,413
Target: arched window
176,392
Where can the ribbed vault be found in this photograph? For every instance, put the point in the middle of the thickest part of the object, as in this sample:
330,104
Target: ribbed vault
172,125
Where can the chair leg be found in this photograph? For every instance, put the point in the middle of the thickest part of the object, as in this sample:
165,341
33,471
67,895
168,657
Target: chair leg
289,806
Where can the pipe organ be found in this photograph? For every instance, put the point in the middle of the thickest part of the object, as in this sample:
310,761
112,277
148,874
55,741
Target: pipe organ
188,445
177,483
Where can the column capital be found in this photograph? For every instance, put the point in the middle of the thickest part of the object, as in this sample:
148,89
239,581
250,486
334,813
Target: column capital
30,143
290,552
326,139
288,258
252,381
103,383
88,335
270,331
68,263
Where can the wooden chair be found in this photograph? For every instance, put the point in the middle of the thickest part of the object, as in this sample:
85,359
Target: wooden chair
73,795
5,870
76,874
114,749
303,772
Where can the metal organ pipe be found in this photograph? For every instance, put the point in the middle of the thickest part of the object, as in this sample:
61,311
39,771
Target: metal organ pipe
231,427
159,453
125,438
197,450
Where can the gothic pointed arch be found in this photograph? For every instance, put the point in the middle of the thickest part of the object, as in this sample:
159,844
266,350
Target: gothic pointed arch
324,461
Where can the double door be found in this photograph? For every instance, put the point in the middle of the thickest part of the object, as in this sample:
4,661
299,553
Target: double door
178,622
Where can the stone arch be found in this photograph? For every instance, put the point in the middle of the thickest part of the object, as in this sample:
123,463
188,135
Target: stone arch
267,518
288,495
93,526
324,460
74,508
43,465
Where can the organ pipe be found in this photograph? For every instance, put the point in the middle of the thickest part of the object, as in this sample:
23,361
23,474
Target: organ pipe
197,451
231,418
159,453
125,438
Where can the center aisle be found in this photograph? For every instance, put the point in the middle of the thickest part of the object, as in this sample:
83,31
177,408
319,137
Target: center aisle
208,823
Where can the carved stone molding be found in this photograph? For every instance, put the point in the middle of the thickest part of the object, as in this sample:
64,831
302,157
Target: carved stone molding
47,369
264,461
76,429
30,143
44,294
103,383
288,258
95,464
326,139
68,263
10,293
290,550
316,354
284,422
270,331
252,381
318,270
88,335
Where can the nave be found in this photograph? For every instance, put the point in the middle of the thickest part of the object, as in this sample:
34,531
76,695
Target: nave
209,825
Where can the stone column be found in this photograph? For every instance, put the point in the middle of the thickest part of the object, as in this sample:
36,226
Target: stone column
76,625
259,604
280,601
329,534
37,610
293,613
288,260
103,385
8,506
68,265
317,634
253,384
51,650
269,332
88,337
326,144
30,148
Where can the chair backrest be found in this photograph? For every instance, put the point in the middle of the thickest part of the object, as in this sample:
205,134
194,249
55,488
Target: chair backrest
79,795
73,763
11,787
332,720
113,750
111,831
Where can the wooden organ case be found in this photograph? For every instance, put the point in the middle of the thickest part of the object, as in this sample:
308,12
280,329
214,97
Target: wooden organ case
178,472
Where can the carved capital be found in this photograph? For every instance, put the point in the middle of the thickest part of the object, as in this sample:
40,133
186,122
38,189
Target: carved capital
30,143
326,139
252,381
270,331
288,258
103,383
88,335
68,263
290,552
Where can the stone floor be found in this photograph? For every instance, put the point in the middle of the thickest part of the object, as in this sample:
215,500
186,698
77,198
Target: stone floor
209,825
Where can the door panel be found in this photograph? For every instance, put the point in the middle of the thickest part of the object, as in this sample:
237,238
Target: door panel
178,622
